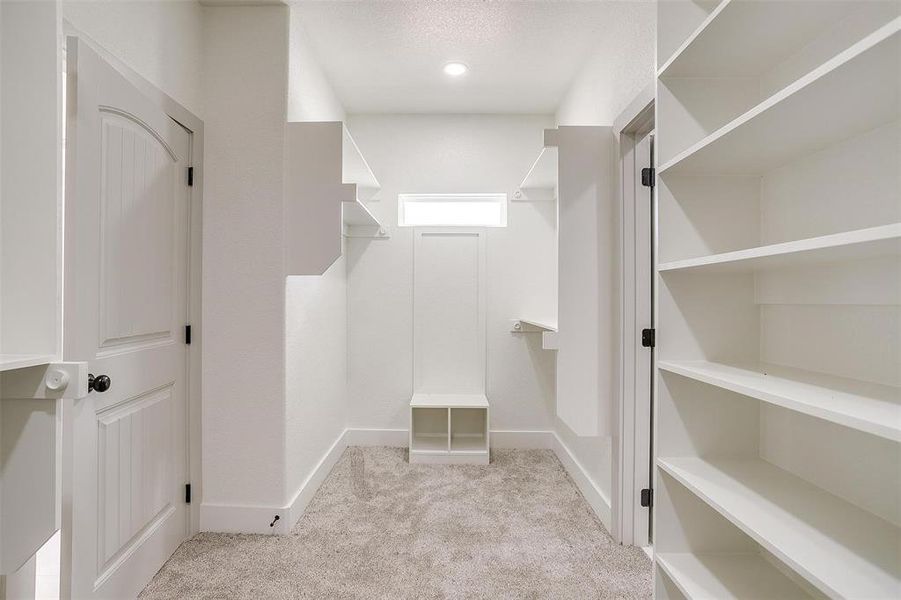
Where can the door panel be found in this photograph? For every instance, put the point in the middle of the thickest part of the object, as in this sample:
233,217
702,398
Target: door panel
127,206
137,225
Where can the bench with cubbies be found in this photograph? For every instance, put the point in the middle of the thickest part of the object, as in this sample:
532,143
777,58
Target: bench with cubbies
449,429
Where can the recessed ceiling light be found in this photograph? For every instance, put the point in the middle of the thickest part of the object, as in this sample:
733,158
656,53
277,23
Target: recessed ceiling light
455,69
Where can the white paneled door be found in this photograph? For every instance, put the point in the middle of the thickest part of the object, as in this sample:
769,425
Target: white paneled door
126,271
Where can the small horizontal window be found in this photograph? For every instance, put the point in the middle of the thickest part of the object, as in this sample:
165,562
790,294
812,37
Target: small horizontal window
452,210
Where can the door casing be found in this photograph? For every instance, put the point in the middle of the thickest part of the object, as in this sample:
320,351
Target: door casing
632,429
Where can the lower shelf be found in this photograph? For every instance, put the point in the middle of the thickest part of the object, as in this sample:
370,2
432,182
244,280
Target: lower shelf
727,577
9,362
841,549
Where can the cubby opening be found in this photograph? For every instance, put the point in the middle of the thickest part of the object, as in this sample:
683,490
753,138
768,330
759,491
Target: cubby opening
469,430
430,430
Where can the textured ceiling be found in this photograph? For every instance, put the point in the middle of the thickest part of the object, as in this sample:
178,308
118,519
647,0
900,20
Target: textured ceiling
388,56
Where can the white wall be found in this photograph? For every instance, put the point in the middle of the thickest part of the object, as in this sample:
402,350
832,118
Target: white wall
315,307
245,70
451,153
616,71
162,41
611,77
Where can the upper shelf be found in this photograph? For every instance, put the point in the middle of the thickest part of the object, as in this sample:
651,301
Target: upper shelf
743,39
854,92
420,400
843,550
884,240
860,405
355,169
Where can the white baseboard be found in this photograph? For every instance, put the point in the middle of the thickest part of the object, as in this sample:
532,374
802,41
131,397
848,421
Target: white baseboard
522,440
256,519
393,438
593,494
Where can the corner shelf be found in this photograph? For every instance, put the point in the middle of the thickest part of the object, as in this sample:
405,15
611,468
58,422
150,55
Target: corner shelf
540,183
449,429
872,242
807,115
860,405
727,576
841,549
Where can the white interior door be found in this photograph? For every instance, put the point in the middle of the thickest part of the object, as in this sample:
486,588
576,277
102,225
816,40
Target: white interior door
126,256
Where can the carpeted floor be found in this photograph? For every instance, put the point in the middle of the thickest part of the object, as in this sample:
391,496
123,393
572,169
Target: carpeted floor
382,528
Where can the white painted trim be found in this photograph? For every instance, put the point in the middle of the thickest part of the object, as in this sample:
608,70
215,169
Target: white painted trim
593,494
522,440
256,518
392,438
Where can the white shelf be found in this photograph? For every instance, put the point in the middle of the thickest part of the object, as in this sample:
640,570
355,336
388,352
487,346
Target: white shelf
429,443
865,406
449,401
531,325
745,39
355,169
9,362
727,577
841,549
540,182
854,92
468,443
884,240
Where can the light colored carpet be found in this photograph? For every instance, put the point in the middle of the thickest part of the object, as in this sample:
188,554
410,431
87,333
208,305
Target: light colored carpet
382,528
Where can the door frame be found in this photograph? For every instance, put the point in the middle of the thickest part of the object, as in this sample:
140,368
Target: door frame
193,369
631,439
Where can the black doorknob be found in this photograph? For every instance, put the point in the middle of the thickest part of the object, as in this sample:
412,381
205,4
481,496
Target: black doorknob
100,383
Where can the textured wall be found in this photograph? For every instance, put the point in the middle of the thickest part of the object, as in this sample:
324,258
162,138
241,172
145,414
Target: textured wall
245,71
315,307
616,71
160,40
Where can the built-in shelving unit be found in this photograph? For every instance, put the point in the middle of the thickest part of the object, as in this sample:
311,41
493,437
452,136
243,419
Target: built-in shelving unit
778,392
449,428
574,169
328,184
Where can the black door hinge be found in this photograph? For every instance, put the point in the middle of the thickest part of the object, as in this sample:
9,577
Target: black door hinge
647,498
648,177
648,338
191,176
187,334
188,493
